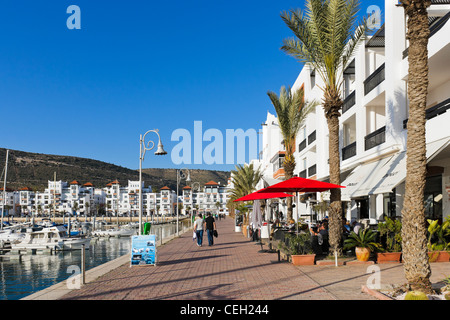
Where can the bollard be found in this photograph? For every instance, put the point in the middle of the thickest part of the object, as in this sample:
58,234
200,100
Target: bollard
83,264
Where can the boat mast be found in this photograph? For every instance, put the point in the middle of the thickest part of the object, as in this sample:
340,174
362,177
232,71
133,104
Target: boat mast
4,187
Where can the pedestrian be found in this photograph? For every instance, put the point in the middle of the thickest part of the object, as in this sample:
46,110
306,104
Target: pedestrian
198,229
210,226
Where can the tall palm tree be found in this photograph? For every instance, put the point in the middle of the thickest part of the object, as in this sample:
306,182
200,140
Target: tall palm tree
326,36
291,113
245,179
416,265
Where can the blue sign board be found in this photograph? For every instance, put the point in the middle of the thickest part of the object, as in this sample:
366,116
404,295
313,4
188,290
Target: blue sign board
143,250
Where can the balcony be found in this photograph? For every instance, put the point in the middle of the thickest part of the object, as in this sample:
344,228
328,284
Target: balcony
375,138
434,111
374,79
312,170
349,151
436,23
302,145
312,137
302,174
349,102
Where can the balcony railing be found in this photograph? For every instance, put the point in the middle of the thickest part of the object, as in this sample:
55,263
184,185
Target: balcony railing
312,170
312,137
375,138
303,174
436,24
349,151
374,79
349,102
432,112
302,145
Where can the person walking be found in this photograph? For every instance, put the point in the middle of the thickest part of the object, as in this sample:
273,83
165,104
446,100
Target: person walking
210,226
198,229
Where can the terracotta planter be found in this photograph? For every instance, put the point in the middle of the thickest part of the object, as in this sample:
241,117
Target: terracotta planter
389,257
303,260
438,256
362,254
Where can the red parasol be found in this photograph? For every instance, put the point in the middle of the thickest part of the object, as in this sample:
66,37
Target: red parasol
297,184
267,195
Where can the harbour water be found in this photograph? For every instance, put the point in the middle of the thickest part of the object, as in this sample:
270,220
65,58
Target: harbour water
35,272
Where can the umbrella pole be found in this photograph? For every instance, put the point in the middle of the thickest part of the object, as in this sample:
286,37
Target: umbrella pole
296,196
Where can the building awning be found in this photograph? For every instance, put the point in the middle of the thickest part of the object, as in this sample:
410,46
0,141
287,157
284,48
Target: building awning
385,174
361,175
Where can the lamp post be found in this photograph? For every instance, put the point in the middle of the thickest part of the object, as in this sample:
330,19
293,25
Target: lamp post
195,187
143,148
181,175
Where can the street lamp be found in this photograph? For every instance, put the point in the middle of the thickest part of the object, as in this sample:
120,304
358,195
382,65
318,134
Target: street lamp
143,148
181,175
195,186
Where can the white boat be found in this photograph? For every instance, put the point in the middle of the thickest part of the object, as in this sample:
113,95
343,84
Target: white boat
11,235
121,232
116,232
54,237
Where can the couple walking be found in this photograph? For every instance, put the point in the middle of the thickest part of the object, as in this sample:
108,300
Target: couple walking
209,224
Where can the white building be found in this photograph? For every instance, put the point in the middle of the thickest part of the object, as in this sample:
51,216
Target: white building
211,198
373,124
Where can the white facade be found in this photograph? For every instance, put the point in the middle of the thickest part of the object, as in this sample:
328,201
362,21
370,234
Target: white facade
211,198
372,125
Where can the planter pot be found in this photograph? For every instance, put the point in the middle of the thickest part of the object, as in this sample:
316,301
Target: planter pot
303,260
389,257
362,254
438,256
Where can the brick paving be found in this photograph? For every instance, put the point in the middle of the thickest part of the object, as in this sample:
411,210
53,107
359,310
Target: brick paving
233,269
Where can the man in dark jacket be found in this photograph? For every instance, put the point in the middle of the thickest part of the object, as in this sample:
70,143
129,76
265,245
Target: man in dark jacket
210,226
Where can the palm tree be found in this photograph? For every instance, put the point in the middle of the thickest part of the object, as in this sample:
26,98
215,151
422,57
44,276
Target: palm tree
326,37
245,179
415,257
291,113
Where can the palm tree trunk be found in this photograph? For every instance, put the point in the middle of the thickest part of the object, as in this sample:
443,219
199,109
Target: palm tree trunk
415,253
289,166
335,209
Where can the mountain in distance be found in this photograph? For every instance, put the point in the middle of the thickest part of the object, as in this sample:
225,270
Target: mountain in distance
34,170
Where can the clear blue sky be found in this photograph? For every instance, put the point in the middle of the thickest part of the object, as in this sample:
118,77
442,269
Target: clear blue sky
135,66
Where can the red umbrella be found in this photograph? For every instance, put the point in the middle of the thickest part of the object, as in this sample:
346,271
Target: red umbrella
297,184
267,195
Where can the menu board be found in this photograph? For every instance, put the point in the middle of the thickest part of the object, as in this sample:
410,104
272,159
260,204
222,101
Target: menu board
143,250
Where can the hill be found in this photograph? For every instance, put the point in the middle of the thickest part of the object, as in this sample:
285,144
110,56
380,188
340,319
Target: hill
26,169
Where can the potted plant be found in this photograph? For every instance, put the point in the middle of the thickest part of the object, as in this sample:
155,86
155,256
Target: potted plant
299,248
438,243
392,250
363,242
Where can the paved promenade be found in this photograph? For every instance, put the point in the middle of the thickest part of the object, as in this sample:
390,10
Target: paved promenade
232,269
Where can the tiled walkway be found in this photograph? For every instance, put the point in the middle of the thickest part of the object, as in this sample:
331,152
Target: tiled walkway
233,269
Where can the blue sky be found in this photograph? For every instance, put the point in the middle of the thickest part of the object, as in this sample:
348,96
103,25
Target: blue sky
135,66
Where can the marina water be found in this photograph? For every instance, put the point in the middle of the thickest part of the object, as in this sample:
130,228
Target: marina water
35,272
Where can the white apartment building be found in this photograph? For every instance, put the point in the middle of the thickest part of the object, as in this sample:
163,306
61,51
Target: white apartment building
9,202
58,198
373,124
125,200
211,198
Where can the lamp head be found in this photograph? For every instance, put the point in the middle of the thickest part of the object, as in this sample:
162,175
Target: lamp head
160,151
